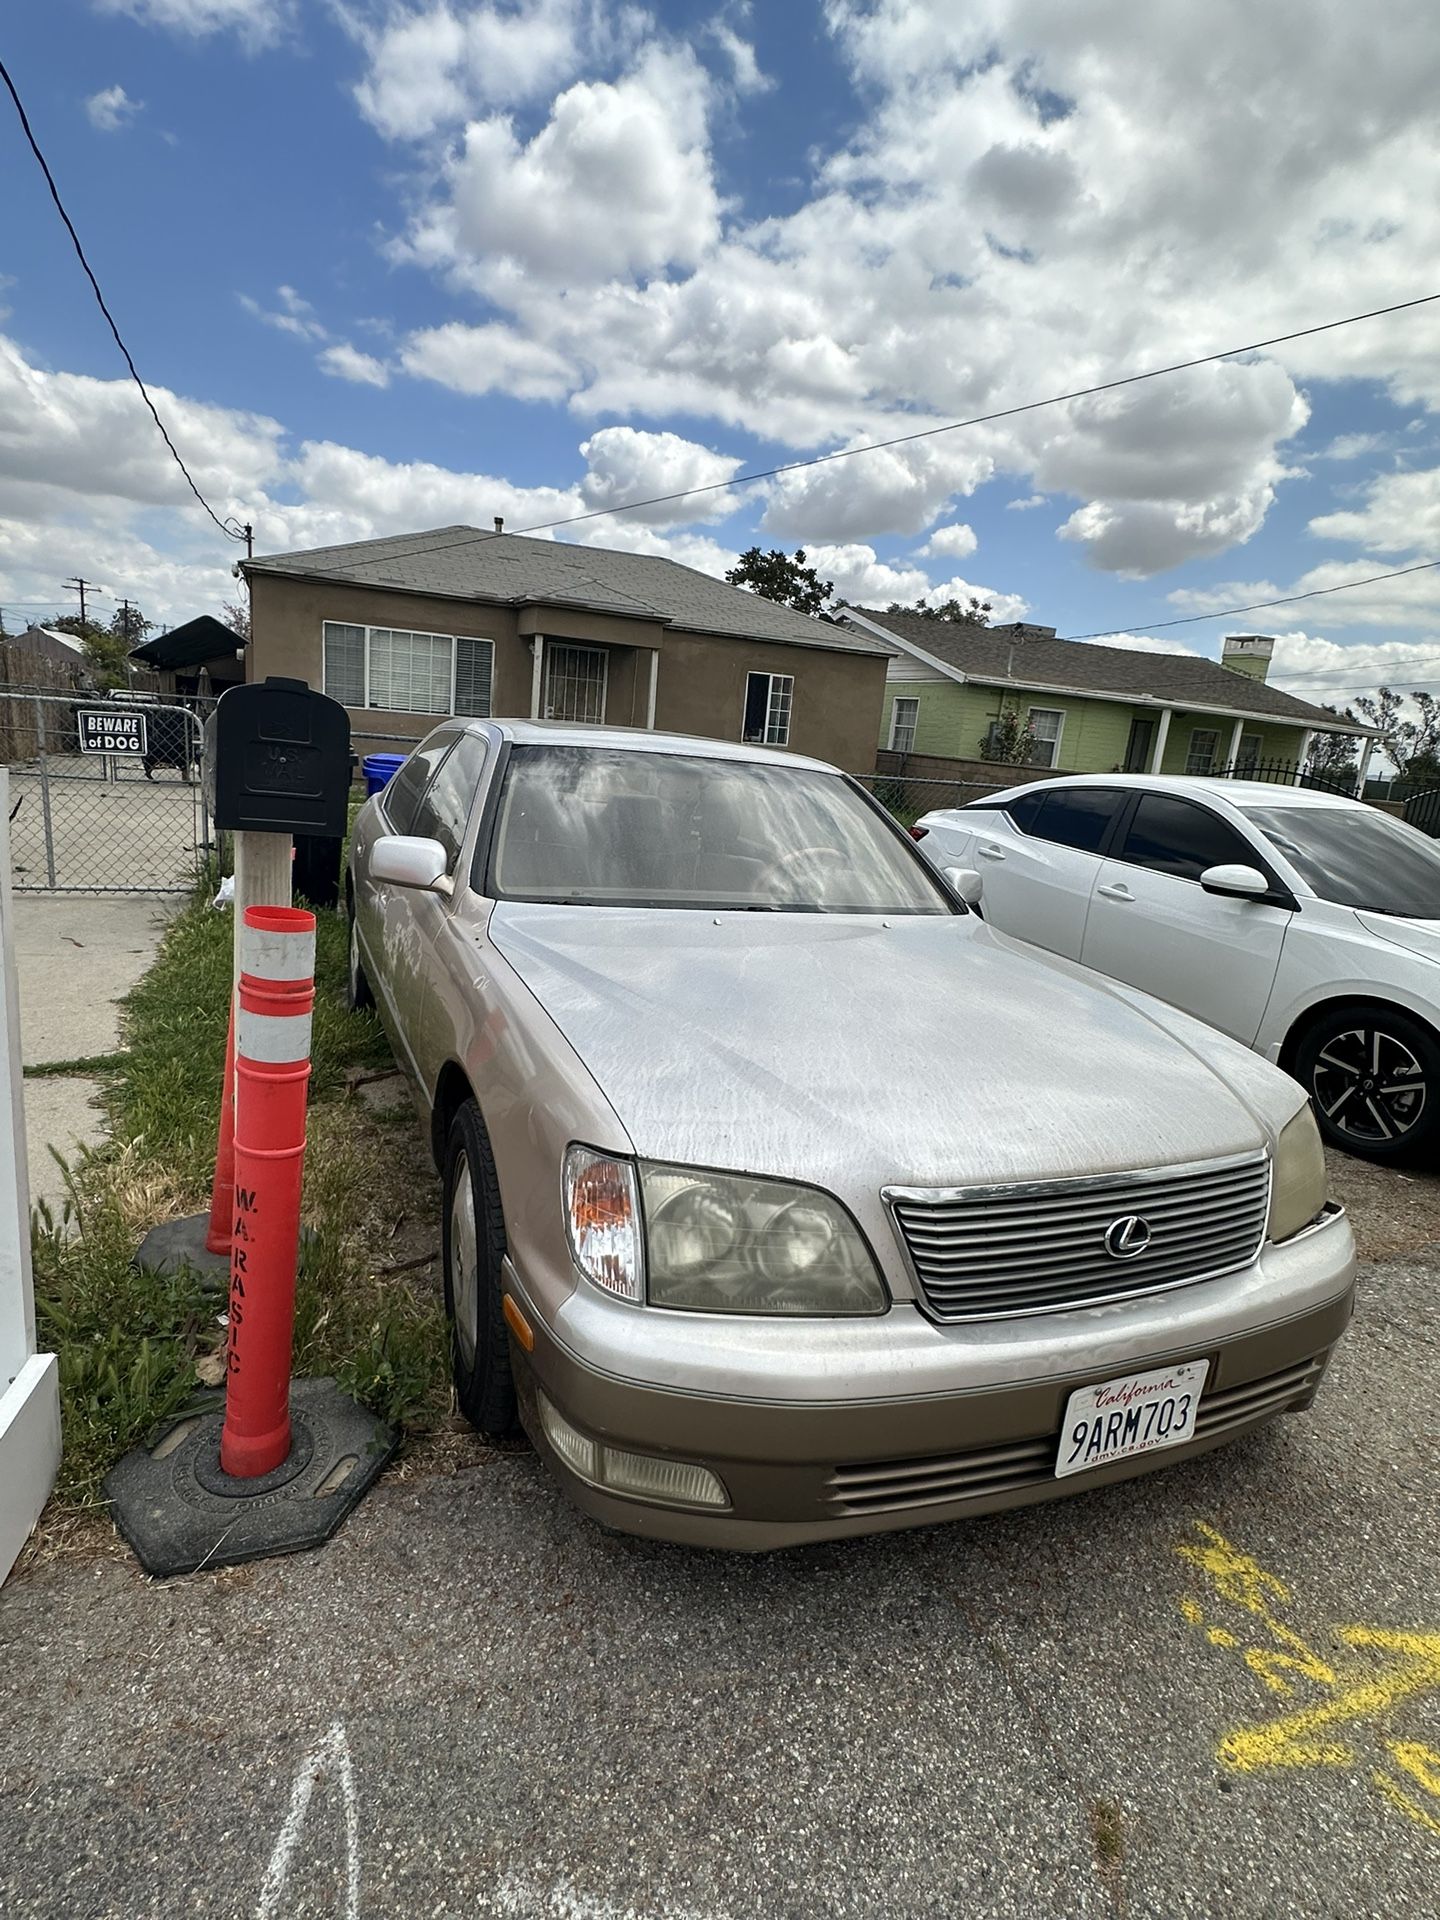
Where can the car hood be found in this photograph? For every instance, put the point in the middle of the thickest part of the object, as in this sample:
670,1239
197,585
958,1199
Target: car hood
926,1051
1415,936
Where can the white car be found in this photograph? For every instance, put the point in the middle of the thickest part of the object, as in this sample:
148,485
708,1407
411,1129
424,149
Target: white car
1305,924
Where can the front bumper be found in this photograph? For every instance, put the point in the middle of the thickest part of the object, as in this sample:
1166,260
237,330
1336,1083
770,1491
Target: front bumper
820,1429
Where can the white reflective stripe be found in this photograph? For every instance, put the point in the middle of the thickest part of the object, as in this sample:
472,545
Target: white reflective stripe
277,956
272,1037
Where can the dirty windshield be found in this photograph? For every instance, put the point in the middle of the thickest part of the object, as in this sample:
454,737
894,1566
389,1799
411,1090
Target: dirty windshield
614,828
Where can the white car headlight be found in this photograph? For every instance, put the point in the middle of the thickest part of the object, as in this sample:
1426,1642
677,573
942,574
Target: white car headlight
1297,1185
602,1218
727,1243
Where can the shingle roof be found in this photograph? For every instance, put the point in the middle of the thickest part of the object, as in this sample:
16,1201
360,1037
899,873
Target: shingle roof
1178,679
464,563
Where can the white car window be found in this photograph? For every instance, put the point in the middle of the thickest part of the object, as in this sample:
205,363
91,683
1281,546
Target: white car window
1179,838
1076,817
1357,858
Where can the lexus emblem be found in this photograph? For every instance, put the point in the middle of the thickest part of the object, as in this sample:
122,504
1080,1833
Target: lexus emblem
1127,1236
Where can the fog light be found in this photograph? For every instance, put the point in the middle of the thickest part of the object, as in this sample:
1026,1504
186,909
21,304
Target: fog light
671,1483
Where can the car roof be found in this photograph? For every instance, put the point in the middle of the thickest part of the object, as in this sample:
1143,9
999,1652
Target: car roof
1239,793
570,733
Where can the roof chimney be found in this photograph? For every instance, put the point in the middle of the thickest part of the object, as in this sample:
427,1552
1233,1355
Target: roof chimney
499,524
1247,653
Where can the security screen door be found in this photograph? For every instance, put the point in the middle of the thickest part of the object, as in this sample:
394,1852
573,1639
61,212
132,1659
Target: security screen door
574,683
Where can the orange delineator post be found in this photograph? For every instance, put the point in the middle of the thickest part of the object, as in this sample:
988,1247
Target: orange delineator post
222,1187
272,1073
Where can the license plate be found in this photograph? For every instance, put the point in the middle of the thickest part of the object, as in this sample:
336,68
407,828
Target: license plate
1138,1413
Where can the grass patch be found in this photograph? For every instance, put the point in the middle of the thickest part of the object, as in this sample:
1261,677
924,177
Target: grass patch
85,1068
133,1347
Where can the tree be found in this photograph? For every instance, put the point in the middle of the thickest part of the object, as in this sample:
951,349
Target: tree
1413,745
1334,753
975,614
130,625
1010,739
775,576
107,654
236,615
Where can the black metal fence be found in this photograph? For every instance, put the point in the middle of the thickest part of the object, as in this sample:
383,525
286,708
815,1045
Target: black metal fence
1288,773
1422,810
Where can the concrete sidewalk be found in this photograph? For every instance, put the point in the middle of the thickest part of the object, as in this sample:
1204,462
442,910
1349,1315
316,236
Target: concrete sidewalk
77,956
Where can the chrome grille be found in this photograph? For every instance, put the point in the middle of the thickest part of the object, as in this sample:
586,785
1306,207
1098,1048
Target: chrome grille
982,1253
878,1487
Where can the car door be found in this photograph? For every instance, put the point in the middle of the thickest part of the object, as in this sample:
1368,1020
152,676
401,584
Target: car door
1039,875
1152,924
444,814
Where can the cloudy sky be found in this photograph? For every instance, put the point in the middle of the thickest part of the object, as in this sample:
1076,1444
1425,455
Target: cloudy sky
393,264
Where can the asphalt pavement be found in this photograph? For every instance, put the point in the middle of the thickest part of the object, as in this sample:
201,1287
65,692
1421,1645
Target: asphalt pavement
1211,1692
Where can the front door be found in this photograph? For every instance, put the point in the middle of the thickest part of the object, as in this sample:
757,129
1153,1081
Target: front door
1141,744
574,683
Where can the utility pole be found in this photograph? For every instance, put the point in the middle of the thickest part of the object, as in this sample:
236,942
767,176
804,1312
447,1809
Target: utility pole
80,586
249,541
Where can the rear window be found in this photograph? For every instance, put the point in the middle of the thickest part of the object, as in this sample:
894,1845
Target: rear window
1077,817
1024,807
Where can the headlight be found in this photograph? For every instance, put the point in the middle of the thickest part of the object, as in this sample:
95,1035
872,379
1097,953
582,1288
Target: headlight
725,1243
602,1217
1297,1185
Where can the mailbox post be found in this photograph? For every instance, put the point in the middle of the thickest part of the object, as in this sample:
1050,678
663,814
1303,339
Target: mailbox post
277,763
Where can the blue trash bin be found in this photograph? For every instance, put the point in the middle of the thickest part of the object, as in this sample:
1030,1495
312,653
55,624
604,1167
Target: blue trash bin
379,770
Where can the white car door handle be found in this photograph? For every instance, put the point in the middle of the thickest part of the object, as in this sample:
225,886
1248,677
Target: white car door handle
1118,892
990,853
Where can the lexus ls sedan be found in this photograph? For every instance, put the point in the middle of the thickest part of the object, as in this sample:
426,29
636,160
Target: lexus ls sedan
1305,924
784,1197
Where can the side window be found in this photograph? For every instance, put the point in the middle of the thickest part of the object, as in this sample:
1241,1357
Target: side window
1177,837
1077,816
1023,808
445,808
402,796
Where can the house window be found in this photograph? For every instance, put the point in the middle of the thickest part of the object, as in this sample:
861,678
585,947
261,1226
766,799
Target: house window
1204,745
903,717
398,671
1047,724
768,699
1252,746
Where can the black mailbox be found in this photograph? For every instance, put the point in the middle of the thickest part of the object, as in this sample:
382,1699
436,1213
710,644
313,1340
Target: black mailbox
277,760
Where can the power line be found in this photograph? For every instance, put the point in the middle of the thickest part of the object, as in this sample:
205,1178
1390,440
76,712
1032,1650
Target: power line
1254,606
925,433
229,532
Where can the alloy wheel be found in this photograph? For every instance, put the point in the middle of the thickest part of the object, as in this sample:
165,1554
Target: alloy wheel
1368,1085
465,1267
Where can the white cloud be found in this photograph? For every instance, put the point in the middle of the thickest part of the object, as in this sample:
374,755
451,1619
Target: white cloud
111,109
954,542
257,23
745,72
430,69
1401,515
349,363
294,315
488,359
895,490
625,465
1027,505
863,579
616,183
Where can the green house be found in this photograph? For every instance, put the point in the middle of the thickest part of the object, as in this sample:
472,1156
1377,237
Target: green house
1091,709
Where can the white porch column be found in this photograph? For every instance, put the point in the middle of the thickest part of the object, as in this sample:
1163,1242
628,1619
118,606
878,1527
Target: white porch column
1367,748
537,651
1235,736
29,1389
1307,740
654,684
1160,738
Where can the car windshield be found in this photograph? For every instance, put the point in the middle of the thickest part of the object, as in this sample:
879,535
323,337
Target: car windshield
609,827
1357,857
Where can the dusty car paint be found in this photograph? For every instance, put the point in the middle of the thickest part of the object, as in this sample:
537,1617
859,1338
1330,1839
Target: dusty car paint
853,1054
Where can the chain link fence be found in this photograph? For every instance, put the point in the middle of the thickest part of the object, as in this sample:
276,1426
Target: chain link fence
908,799
105,792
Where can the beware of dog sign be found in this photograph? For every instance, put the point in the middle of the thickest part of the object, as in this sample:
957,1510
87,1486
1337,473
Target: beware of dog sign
110,730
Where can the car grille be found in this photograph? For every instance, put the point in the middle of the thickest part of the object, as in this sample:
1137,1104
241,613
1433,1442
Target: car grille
987,1253
993,1471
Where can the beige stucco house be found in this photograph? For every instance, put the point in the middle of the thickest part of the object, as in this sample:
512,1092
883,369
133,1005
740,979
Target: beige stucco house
410,628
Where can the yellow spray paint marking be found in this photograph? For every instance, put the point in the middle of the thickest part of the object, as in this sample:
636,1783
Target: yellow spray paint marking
1347,1717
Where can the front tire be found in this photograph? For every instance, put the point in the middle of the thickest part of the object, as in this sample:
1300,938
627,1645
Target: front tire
473,1242
1373,1076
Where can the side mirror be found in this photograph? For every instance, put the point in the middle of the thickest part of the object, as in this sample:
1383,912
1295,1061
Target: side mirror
408,862
1235,882
966,882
